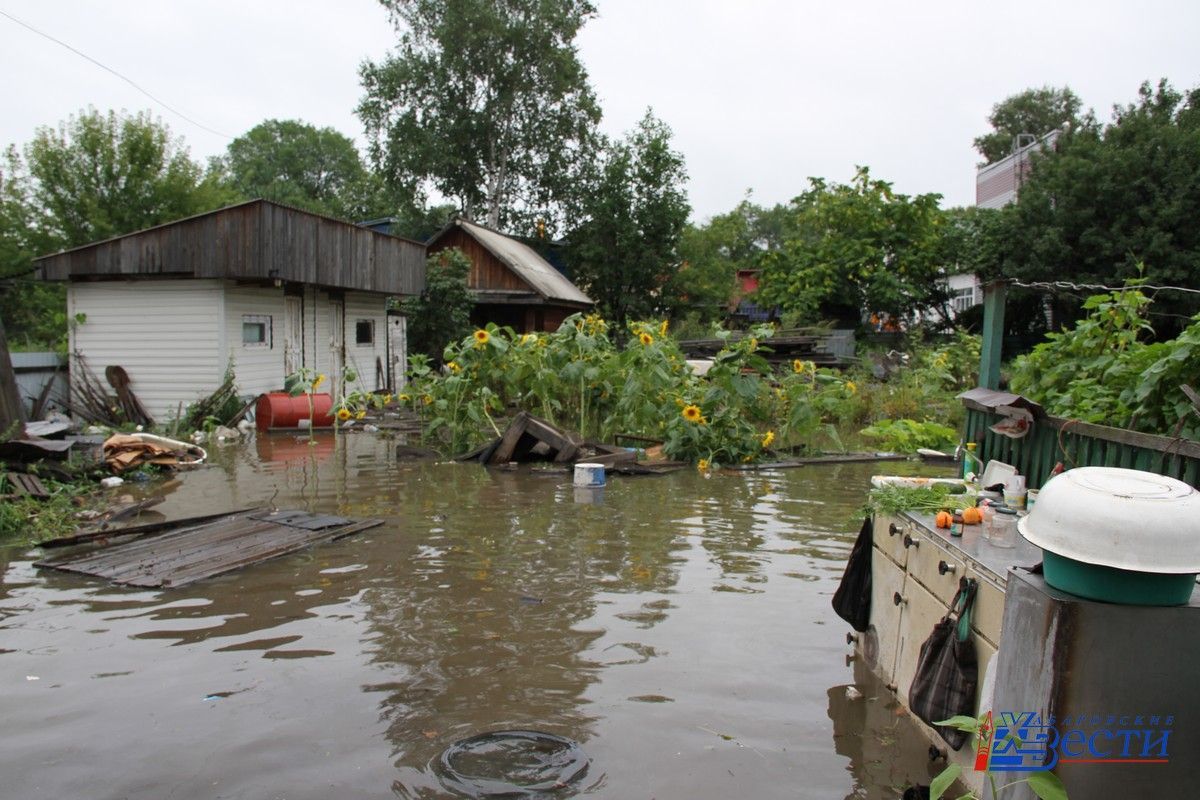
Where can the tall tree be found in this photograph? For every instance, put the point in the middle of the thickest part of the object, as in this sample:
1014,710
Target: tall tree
1110,201
95,176
485,102
1035,112
293,162
856,248
101,175
634,210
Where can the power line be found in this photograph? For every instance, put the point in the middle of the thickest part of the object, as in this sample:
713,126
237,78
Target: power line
81,54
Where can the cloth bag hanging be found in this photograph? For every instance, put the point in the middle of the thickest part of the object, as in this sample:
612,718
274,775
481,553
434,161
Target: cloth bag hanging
852,600
947,670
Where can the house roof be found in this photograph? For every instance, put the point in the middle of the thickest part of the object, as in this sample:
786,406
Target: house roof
255,240
523,260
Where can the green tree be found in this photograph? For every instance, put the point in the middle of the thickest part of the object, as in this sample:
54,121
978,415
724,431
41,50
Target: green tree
712,254
441,314
94,177
293,162
484,101
634,210
102,175
855,248
1111,198
1034,112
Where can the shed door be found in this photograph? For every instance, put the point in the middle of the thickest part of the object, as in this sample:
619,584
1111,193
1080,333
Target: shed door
397,352
337,344
293,334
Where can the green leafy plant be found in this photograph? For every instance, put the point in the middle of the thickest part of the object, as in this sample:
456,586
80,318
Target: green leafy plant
1104,371
1046,785
305,381
908,435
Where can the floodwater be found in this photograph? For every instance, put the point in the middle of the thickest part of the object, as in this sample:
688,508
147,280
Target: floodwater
677,627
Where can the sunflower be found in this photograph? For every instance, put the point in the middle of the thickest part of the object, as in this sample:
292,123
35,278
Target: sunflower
404,398
692,414
702,465
798,366
387,398
427,400
645,338
343,413
453,365
319,380
662,329
360,413
851,387
481,337
767,438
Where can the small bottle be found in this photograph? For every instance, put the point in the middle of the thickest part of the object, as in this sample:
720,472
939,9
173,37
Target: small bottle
970,462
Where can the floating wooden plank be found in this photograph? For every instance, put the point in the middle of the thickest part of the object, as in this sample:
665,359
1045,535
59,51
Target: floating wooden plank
85,536
194,552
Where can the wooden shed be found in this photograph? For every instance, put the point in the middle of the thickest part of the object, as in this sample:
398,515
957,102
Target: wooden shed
511,283
259,287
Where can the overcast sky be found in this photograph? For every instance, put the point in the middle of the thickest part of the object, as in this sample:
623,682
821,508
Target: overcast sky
761,94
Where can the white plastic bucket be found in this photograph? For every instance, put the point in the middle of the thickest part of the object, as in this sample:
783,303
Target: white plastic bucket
589,475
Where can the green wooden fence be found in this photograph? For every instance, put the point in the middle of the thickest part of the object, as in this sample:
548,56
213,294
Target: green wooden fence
1054,440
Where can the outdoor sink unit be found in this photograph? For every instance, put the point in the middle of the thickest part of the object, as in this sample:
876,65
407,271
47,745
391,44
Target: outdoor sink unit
1118,535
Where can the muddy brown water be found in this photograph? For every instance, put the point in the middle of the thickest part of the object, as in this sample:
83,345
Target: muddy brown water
677,627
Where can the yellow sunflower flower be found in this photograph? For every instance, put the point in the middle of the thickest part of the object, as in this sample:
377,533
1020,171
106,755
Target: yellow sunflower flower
481,337
767,438
453,366
387,398
360,414
319,380
798,367
692,414
702,465
343,414
851,387
427,400
645,338
404,398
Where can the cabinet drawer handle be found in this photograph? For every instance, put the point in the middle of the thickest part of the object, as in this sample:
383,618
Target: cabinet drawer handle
851,638
893,529
891,687
943,568
909,541
897,599
851,658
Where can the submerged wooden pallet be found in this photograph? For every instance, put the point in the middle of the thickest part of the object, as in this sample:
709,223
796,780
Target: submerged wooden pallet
195,552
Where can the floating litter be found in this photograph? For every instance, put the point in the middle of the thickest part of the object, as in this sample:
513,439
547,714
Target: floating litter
511,764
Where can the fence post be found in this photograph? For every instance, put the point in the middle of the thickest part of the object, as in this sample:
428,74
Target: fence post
993,335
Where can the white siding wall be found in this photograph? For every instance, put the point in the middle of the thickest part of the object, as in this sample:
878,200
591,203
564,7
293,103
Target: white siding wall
258,369
166,334
362,356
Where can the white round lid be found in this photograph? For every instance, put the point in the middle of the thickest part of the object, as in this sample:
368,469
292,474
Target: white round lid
1122,518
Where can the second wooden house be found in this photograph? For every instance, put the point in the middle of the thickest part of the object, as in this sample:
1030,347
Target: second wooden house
511,283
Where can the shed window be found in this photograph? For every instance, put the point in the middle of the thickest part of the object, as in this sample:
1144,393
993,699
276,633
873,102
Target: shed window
256,330
364,331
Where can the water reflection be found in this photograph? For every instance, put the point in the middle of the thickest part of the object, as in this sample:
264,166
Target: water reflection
677,628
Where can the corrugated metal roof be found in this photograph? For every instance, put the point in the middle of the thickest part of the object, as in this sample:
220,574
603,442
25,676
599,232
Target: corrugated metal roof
524,260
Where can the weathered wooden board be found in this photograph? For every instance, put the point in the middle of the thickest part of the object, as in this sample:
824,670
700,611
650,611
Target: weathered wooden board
196,552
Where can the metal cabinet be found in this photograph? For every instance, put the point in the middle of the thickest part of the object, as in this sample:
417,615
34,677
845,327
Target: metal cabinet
916,569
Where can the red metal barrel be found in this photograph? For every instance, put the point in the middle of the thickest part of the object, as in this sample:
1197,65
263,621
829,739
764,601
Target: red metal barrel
276,410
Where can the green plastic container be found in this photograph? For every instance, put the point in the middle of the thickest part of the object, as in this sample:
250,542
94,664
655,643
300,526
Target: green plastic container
1111,585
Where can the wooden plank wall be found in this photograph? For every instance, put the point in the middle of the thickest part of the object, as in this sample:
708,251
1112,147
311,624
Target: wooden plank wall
487,271
257,240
